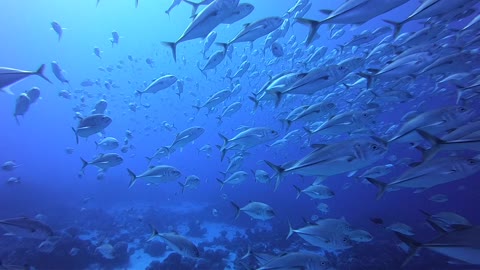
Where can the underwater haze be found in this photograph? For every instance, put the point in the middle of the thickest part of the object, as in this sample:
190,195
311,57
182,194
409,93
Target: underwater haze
227,134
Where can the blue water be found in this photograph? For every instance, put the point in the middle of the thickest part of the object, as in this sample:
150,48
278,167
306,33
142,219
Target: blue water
95,211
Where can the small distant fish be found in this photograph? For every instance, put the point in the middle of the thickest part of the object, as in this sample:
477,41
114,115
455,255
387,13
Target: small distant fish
316,191
360,236
191,182
439,198
9,166
74,251
256,210
58,29
115,38
159,84
97,52
104,161
261,176
178,243
376,220
21,106
106,250
59,72
401,228
156,175
108,143
13,180
234,179
90,125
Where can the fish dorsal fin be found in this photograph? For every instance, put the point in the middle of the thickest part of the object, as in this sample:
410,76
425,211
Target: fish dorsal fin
459,227
326,11
436,227
318,146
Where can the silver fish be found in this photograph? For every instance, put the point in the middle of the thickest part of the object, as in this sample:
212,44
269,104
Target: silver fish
104,161
256,210
156,175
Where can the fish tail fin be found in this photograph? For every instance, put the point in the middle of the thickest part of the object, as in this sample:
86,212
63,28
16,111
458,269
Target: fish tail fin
397,27
223,148
76,134
249,252
202,70
433,140
196,107
255,101
313,28
368,77
84,163
382,187
425,213
194,6
237,208
173,47
41,72
222,183
223,44
289,124
290,230
149,160
308,130
183,186
133,178
460,92
299,191
219,118
154,233
278,98
278,172
7,90
411,243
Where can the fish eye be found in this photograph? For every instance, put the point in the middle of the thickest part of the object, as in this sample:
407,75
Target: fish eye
374,147
322,263
462,109
472,161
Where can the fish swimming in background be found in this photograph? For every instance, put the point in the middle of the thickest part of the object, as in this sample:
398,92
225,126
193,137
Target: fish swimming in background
159,84
256,210
26,227
58,29
59,72
209,18
97,52
297,260
431,173
90,125
10,76
103,161
178,243
172,5
115,38
351,12
460,244
21,106
155,175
